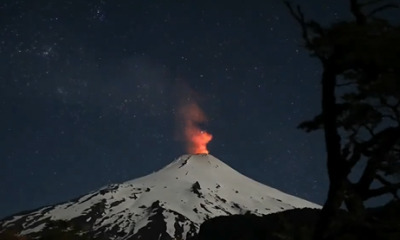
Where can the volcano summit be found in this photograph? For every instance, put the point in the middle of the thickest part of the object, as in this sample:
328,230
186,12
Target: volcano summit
168,204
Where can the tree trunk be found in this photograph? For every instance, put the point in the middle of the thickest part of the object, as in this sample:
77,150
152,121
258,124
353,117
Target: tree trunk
332,204
338,168
355,204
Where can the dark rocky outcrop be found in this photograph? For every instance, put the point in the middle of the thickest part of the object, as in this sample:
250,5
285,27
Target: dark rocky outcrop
252,227
382,223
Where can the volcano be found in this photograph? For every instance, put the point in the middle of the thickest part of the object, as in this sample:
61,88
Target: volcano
168,204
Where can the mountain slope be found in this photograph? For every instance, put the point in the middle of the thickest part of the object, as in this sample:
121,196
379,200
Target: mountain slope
168,204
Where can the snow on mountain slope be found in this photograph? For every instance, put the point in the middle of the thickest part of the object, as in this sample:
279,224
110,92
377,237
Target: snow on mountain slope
168,204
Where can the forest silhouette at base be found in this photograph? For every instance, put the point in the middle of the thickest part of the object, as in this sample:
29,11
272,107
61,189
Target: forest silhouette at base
295,224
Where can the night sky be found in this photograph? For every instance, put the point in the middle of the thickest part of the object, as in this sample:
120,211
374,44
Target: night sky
89,89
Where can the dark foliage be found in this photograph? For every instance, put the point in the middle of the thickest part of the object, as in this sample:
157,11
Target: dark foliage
361,123
54,230
298,224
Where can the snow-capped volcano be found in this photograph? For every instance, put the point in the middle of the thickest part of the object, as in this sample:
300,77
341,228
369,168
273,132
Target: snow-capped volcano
168,204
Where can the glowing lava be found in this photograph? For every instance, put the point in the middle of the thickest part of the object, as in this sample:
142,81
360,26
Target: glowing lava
196,139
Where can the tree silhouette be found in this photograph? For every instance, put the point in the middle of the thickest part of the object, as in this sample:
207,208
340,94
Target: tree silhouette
360,105
11,235
62,230
53,230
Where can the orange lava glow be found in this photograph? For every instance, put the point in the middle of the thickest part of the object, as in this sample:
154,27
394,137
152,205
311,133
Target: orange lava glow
196,139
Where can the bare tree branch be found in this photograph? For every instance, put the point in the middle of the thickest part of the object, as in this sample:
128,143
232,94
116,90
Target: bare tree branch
370,130
394,109
387,188
354,133
388,133
389,117
372,2
381,147
356,151
355,9
345,84
361,18
299,16
356,156
380,9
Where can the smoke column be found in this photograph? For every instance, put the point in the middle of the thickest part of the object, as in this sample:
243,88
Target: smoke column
190,116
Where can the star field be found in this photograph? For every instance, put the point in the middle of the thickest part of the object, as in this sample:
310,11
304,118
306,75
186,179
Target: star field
88,93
